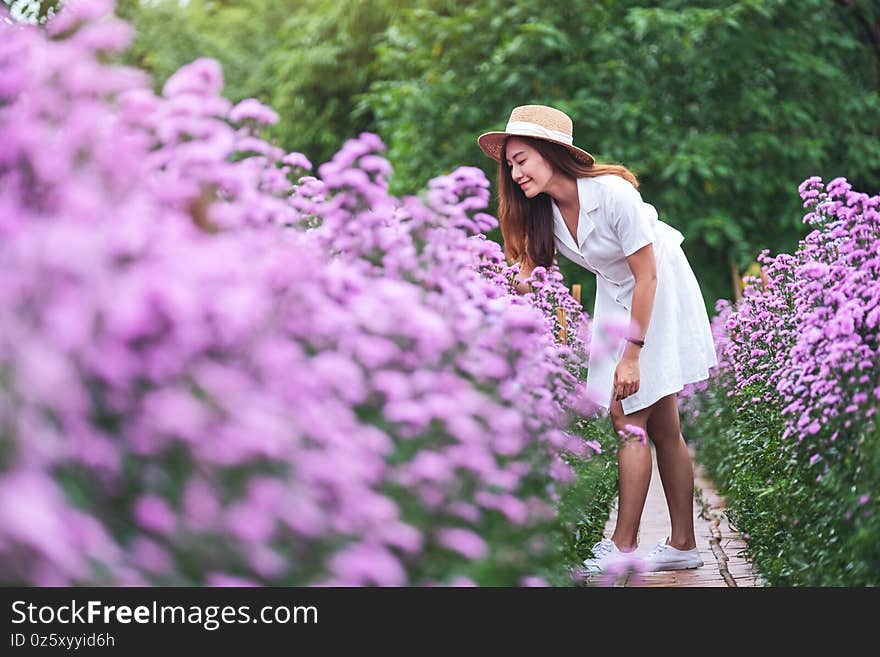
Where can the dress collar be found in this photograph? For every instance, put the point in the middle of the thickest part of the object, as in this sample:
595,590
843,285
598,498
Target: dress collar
588,201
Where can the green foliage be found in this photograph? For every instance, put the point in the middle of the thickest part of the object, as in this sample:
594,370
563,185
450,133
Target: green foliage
308,60
721,109
584,506
801,532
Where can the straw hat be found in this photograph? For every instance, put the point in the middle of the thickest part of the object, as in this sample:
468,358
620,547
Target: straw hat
538,121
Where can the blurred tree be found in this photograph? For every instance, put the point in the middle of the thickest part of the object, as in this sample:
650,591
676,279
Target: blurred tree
325,59
308,59
722,109
865,14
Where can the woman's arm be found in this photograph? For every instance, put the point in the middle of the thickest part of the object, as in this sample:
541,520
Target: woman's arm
644,270
627,379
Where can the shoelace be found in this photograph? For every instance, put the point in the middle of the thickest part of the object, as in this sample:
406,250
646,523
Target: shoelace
601,548
661,546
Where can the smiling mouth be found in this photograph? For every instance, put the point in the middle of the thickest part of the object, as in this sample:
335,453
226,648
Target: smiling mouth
525,183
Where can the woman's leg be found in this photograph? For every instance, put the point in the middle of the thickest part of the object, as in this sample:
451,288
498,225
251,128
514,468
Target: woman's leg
676,470
634,476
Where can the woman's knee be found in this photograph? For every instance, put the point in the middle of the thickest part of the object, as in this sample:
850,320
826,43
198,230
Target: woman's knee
618,419
621,422
629,428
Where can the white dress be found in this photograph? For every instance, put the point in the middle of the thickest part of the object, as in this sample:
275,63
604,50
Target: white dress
614,223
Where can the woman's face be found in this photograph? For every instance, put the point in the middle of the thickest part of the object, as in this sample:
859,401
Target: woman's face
528,168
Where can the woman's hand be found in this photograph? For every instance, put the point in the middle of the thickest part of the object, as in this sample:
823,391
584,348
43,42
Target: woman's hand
626,378
523,288
524,274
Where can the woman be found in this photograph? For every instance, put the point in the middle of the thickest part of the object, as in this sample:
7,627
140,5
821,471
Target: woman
554,196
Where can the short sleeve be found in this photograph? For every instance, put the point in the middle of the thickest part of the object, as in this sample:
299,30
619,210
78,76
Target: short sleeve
630,220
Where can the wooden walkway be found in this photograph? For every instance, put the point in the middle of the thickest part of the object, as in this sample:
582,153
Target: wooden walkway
719,545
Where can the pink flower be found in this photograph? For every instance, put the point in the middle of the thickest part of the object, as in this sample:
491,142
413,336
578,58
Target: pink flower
202,77
154,514
632,430
364,564
463,541
254,110
297,160
534,581
226,580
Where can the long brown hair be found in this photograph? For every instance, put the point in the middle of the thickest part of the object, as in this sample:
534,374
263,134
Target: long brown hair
527,223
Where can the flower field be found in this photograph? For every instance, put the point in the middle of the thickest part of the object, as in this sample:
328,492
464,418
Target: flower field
222,364
217,369
787,423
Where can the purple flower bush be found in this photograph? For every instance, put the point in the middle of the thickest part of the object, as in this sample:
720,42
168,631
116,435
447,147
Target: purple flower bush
216,369
807,339
797,389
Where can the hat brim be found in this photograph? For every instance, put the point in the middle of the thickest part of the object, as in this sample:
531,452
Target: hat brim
492,143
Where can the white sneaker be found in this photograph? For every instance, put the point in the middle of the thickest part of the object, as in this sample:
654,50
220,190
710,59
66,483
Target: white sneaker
604,553
666,557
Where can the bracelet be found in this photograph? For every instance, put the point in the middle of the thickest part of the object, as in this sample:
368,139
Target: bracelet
640,343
